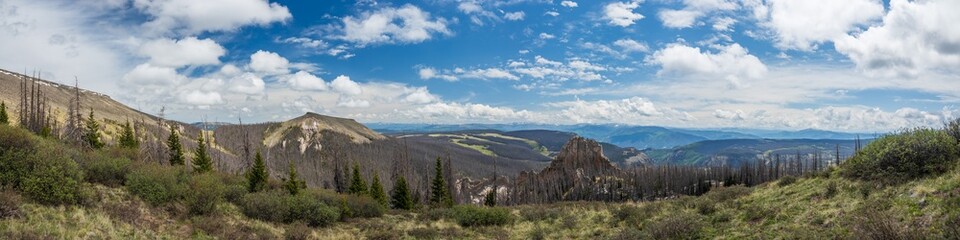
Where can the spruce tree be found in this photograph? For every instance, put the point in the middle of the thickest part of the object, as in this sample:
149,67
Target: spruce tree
257,176
4,119
401,198
201,161
438,189
357,185
491,198
92,134
376,190
293,184
176,149
128,139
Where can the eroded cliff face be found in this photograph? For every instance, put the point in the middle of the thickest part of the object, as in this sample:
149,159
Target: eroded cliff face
579,172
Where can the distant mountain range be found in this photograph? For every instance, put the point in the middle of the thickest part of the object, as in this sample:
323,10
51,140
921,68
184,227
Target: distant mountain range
640,137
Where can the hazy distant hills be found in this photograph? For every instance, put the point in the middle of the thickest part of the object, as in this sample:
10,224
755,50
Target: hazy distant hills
640,137
736,151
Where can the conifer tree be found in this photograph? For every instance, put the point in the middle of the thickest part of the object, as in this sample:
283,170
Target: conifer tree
376,190
401,198
293,184
92,134
257,176
438,190
201,161
491,198
357,185
176,149
4,119
128,139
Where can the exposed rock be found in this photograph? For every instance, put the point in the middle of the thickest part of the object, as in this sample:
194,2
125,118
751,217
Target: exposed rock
579,172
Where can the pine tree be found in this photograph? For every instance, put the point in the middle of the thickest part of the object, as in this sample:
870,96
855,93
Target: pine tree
491,198
128,139
438,190
176,149
201,161
357,185
293,184
376,190
401,198
92,134
4,119
257,176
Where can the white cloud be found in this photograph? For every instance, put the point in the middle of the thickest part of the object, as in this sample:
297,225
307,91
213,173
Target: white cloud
247,83
915,38
349,102
732,63
407,24
269,62
184,52
552,13
342,84
490,73
469,7
544,61
736,115
604,111
303,80
723,23
197,97
546,36
679,18
306,42
420,95
469,112
514,16
801,25
621,13
192,17
148,75
570,4
630,45
428,73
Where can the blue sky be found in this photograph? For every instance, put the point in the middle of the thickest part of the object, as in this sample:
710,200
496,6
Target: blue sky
858,65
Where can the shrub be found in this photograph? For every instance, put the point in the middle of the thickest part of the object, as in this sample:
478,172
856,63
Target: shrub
297,231
266,206
469,216
206,191
350,205
633,215
434,214
14,138
9,204
786,181
110,171
541,213
157,184
830,190
904,156
953,129
310,210
53,179
675,226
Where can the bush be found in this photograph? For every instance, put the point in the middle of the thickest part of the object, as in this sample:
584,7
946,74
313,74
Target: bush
953,129
469,216
16,139
206,191
266,206
53,179
904,156
434,214
310,210
675,226
297,231
109,171
786,181
157,184
350,205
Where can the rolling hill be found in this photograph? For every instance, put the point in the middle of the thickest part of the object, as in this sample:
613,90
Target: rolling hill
736,151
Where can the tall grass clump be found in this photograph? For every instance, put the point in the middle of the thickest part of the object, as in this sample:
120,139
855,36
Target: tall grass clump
903,156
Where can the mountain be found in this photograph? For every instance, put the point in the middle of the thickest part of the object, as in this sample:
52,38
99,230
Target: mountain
736,151
573,175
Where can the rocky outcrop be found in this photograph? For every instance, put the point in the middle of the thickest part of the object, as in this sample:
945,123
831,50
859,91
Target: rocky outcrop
579,172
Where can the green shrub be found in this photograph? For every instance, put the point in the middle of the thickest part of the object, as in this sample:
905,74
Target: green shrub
266,205
109,171
786,181
14,138
310,210
434,214
675,226
53,179
469,216
350,205
297,231
206,191
904,156
157,184
953,129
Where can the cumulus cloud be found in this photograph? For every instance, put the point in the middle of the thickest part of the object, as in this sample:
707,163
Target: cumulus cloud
428,73
692,11
192,17
469,112
490,73
407,24
197,97
303,80
605,111
802,25
552,13
914,38
731,62
342,84
679,18
152,76
570,4
514,16
546,36
269,62
184,52
621,13
630,45
247,83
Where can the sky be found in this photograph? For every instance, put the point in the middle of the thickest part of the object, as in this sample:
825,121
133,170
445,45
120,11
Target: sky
853,65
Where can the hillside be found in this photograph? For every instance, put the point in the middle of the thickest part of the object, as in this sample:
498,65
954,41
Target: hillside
737,151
